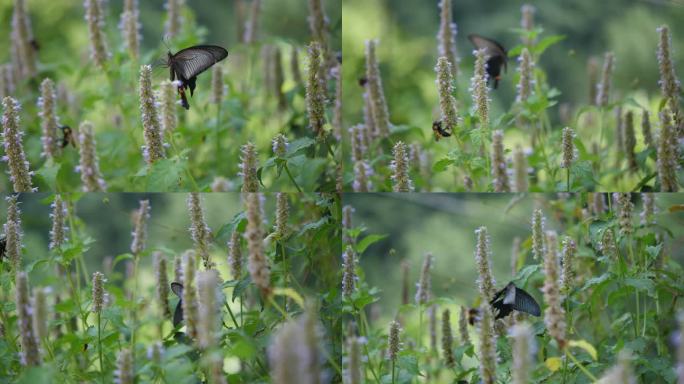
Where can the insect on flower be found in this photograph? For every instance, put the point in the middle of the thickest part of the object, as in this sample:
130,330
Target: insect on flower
67,136
496,56
188,63
439,131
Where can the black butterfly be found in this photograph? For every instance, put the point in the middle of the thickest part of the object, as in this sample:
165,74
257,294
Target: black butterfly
3,247
513,298
507,300
439,131
67,136
187,63
495,54
177,288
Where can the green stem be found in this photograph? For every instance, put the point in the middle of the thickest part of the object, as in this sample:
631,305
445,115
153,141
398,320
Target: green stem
276,306
231,315
242,320
99,345
363,323
218,131
420,326
392,371
567,179
134,316
580,366
287,170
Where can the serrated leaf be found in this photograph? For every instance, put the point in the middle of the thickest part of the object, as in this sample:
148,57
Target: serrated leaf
164,176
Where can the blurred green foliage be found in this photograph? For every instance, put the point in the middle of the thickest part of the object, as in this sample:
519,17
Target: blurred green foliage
444,225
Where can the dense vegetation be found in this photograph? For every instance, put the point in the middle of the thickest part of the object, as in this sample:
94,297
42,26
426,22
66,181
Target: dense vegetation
258,285
239,108
606,275
619,136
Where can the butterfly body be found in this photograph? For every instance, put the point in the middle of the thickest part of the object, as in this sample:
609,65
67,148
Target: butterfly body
186,64
496,56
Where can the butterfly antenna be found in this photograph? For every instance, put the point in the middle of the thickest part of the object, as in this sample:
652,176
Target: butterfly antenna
165,41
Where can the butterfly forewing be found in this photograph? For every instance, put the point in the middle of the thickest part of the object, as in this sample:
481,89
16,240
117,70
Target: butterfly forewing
192,61
492,47
526,303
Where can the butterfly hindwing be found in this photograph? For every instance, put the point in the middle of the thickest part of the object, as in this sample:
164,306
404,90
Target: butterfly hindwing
512,298
526,303
178,314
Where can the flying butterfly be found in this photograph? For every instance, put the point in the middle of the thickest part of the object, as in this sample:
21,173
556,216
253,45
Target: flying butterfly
507,300
67,136
186,64
177,288
495,54
439,131
512,298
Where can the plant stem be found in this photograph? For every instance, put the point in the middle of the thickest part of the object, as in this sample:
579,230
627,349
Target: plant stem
275,304
287,170
218,131
392,371
567,185
420,326
580,366
231,315
99,344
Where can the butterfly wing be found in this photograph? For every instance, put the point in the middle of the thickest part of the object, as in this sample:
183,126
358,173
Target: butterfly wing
177,288
495,52
190,62
491,47
178,314
524,302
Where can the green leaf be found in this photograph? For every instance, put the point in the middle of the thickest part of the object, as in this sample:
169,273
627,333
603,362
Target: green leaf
642,284
241,286
165,176
442,164
367,241
547,42
583,344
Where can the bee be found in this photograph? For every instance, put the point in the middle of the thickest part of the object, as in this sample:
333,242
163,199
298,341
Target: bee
363,81
439,131
67,136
